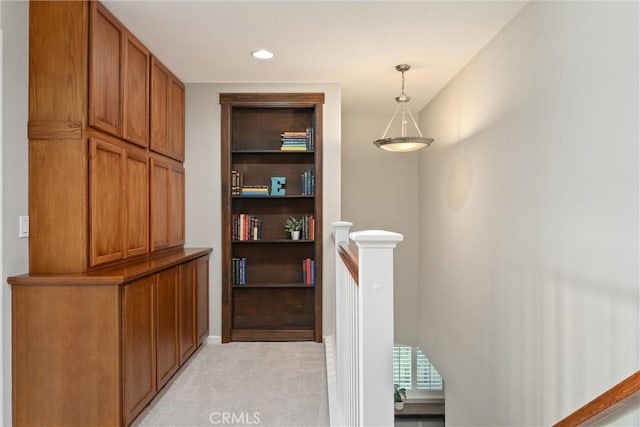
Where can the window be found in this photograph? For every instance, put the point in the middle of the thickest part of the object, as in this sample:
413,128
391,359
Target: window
413,372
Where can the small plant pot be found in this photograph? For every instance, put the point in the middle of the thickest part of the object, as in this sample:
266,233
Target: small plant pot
295,235
399,406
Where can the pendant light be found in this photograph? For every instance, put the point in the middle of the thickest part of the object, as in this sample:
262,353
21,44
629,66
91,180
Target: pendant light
403,143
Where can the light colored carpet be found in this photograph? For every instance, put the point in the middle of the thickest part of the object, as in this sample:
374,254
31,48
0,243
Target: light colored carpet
265,384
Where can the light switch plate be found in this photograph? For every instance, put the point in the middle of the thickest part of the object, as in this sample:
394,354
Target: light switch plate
23,227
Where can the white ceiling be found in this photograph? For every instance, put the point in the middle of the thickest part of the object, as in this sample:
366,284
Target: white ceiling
354,43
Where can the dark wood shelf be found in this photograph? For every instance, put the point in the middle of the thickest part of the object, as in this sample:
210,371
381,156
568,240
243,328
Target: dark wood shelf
279,306
234,152
272,285
288,196
272,241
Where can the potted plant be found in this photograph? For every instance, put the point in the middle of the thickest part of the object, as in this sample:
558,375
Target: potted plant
399,394
293,226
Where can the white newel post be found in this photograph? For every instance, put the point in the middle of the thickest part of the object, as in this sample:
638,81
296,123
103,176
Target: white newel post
376,325
341,234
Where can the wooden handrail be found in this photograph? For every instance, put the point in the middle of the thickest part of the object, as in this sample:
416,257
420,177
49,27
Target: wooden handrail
350,259
604,404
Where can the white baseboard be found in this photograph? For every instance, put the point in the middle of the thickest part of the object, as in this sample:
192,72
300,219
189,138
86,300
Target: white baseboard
213,339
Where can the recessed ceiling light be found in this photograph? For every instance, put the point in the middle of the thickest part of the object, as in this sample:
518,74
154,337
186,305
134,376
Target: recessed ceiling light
262,54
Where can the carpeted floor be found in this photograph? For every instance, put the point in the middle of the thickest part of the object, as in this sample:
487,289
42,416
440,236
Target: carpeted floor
266,384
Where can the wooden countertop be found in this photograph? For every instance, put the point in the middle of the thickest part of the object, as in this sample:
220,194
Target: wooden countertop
116,274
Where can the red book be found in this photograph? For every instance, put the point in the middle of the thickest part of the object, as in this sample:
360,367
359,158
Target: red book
304,270
308,265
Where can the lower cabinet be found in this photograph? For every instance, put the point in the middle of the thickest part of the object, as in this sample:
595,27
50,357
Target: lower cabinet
167,360
138,347
187,307
202,298
95,349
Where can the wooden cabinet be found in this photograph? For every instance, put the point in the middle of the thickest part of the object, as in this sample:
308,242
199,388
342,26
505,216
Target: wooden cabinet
118,79
108,202
167,112
105,71
202,298
167,358
137,208
136,91
110,338
176,205
138,347
167,203
276,293
175,119
119,197
89,200
187,309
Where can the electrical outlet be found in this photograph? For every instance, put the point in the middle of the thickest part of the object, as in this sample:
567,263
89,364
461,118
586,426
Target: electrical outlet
23,227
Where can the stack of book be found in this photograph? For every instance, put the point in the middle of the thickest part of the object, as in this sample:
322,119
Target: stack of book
239,271
308,271
236,183
254,190
308,228
246,227
293,141
297,141
307,183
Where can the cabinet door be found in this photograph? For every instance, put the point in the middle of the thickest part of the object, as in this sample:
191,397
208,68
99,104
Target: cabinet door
186,310
167,359
176,119
107,202
136,91
159,216
159,100
105,71
176,206
137,209
202,298
138,347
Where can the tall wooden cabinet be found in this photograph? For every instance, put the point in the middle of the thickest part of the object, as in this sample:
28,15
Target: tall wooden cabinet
275,299
113,304
90,93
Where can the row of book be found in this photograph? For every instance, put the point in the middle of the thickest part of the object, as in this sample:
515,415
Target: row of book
297,141
308,231
239,271
246,227
309,271
307,183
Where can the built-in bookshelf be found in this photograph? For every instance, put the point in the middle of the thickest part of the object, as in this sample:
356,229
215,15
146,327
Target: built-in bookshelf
271,147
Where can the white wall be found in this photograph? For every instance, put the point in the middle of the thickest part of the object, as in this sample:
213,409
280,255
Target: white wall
15,257
529,283
380,191
202,164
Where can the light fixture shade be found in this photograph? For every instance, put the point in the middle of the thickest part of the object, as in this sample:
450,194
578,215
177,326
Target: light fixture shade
403,143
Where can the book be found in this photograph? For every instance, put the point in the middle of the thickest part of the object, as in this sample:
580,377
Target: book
308,271
236,182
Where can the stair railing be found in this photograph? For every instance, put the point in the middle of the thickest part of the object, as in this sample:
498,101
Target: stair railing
364,326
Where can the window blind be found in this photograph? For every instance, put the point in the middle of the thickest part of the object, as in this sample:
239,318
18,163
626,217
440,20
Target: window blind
402,366
413,371
427,378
